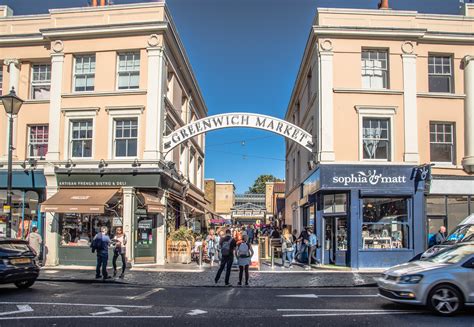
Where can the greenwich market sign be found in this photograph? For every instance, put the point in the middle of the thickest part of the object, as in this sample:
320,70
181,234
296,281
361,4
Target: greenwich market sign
230,120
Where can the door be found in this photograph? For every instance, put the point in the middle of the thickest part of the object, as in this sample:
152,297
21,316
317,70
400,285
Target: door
335,240
145,239
433,225
329,241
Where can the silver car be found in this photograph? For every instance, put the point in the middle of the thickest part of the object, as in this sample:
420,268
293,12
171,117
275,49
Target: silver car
444,282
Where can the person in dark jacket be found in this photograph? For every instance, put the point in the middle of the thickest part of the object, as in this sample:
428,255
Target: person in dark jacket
441,235
100,244
227,246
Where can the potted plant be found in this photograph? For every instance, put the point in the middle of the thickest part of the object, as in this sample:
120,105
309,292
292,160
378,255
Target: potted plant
179,245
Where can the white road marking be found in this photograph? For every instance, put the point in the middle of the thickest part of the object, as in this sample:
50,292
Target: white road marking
144,295
81,304
340,310
21,309
358,279
196,312
47,283
314,296
353,314
83,317
107,311
309,296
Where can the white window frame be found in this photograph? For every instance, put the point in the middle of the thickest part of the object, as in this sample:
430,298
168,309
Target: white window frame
77,114
117,86
451,163
75,74
386,69
34,83
121,113
380,113
28,153
451,68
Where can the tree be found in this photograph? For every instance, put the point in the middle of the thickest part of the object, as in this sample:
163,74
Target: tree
258,186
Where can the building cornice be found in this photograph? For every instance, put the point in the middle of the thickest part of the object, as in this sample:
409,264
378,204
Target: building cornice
156,3
367,91
441,95
22,38
371,32
103,93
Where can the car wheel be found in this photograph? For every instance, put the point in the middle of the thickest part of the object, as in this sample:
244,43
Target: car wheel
445,300
25,283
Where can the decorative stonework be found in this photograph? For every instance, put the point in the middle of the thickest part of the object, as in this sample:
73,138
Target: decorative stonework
8,62
326,45
467,59
153,40
408,47
58,46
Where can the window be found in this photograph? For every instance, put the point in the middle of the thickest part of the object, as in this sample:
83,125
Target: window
442,142
440,74
84,73
1,80
335,203
376,138
374,69
40,81
126,137
38,141
128,70
81,138
385,223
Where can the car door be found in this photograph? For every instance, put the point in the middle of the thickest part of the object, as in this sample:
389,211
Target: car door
469,281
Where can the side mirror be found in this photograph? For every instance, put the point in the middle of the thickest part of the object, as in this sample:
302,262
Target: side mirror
469,263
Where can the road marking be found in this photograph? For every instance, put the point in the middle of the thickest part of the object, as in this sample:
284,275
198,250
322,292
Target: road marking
358,279
144,295
107,311
21,309
341,310
309,296
314,296
82,304
84,317
196,312
353,314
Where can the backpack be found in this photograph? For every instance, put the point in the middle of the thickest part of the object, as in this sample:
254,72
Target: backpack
244,251
225,249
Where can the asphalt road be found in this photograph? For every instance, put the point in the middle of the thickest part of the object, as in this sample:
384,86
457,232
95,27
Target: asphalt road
74,304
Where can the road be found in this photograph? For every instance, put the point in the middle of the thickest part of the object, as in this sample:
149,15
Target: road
75,304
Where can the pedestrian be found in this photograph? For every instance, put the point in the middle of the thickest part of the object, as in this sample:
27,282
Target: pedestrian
287,248
303,241
250,233
312,245
211,246
441,235
220,236
120,240
35,241
227,246
244,256
100,244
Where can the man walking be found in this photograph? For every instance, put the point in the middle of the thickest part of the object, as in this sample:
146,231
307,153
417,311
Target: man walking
312,244
101,244
227,246
35,241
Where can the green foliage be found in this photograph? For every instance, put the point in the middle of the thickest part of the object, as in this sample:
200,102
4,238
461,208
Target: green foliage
182,234
258,186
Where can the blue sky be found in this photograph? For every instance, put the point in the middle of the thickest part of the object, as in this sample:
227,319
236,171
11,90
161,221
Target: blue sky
245,55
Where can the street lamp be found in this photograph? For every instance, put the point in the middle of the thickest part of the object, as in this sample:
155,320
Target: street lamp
12,105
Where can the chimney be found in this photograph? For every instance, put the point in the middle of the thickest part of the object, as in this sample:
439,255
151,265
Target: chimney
383,4
94,3
102,3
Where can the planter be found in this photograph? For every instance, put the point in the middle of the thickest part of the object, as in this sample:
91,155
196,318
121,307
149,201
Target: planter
178,251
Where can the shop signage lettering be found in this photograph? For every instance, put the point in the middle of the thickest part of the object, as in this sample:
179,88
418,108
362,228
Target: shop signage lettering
370,177
108,180
94,183
268,123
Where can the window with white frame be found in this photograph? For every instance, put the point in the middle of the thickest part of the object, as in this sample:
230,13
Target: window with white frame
440,74
375,69
38,141
84,73
40,81
376,138
126,137
442,146
81,138
128,70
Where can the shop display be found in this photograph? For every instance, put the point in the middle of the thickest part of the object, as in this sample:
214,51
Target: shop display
80,229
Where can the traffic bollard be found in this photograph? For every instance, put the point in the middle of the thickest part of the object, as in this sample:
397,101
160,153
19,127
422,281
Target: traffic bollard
273,256
200,256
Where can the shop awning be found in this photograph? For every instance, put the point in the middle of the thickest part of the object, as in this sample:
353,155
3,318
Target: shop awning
152,203
190,206
196,197
79,201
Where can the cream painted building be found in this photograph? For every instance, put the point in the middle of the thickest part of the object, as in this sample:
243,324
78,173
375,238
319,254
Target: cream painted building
385,94
102,86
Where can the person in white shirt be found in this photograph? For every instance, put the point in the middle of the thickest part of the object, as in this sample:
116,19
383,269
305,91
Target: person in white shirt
120,241
35,241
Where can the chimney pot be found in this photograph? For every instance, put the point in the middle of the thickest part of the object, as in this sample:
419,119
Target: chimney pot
383,4
102,3
94,3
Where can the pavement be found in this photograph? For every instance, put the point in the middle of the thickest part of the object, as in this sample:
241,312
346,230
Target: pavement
72,304
194,276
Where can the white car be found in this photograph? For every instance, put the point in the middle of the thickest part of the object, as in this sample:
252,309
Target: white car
444,282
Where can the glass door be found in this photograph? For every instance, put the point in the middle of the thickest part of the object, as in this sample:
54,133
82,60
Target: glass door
341,241
145,239
329,241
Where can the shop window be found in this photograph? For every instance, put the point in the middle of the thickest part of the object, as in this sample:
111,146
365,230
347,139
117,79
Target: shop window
376,138
335,203
81,138
24,212
374,69
128,70
40,81
38,141
126,137
436,205
385,223
440,74
84,73
80,229
442,142
458,209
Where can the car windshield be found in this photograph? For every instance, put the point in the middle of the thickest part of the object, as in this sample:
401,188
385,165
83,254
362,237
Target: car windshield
14,246
452,255
463,233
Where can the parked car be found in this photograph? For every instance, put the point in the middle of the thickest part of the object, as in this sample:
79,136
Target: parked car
444,282
17,263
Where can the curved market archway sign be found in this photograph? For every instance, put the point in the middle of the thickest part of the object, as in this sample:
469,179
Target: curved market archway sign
238,119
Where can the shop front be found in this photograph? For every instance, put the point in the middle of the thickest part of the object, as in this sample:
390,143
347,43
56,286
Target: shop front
28,191
366,215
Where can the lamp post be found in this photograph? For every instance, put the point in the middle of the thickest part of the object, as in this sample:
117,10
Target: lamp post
12,104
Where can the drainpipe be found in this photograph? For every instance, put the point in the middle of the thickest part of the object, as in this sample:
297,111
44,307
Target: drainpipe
468,160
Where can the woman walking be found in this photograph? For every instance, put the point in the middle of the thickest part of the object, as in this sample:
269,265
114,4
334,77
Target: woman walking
211,242
244,257
120,240
287,247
